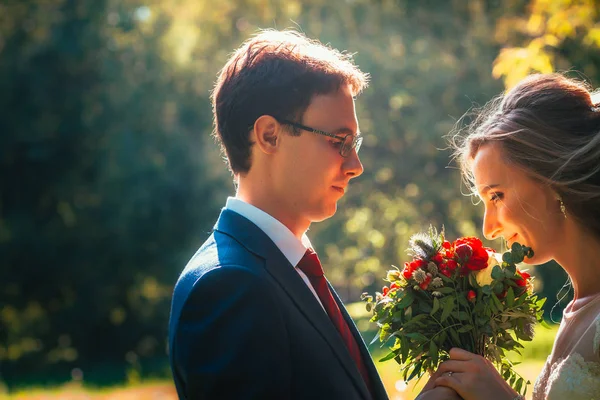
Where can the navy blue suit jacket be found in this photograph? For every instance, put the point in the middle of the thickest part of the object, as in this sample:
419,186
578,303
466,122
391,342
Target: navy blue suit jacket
244,325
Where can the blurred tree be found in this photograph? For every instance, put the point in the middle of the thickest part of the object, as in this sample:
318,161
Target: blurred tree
552,35
104,185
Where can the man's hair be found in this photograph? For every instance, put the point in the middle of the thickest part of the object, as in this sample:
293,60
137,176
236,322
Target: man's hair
274,73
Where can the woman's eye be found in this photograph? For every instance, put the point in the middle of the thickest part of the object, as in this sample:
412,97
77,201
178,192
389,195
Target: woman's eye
496,196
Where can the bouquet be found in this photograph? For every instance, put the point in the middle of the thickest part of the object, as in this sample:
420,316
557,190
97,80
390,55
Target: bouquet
456,294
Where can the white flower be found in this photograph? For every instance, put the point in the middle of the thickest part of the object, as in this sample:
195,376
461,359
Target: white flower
419,275
484,276
432,268
437,282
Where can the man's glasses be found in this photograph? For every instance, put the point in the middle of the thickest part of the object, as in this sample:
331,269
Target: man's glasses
347,142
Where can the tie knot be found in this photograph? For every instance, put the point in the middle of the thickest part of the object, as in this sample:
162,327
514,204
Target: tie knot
310,264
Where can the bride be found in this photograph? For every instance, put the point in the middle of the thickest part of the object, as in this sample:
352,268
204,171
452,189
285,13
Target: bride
533,157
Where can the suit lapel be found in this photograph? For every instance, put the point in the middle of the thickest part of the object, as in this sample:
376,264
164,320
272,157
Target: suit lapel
255,240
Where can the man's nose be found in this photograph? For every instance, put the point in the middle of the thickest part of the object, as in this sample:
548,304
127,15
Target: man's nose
352,165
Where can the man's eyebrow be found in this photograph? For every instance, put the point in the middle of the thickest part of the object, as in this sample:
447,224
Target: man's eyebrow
346,131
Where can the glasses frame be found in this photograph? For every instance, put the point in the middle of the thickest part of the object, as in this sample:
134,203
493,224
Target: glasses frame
346,147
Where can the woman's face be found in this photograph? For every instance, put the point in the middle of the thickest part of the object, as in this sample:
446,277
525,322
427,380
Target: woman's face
517,207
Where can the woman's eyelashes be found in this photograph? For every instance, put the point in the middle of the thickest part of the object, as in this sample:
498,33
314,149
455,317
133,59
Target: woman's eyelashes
496,196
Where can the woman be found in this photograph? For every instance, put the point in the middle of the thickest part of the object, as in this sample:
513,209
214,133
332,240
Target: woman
533,157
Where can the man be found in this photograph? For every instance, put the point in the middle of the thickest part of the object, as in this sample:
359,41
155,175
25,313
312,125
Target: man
252,315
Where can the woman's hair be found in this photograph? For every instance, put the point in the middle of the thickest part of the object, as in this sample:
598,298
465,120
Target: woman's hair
549,127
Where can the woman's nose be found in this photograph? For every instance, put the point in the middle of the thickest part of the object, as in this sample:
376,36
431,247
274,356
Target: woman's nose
491,225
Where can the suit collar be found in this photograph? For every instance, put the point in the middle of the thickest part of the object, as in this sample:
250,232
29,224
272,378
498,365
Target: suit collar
276,264
292,247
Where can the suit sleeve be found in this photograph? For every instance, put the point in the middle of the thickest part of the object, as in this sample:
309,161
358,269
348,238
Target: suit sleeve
231,341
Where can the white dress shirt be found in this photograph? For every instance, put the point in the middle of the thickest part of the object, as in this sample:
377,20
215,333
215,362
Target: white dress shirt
292,248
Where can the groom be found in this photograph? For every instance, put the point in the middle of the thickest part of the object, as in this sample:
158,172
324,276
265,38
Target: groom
252,316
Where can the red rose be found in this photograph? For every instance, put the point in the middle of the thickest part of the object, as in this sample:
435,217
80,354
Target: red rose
410,267
438,259
464,252
522,279
451,264
478,257
425,283
407,271
471,295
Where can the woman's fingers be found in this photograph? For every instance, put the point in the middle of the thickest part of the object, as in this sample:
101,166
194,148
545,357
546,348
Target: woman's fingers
454,366
460,354
450,380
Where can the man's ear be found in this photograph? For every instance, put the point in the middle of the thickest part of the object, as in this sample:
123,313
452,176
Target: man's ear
267,133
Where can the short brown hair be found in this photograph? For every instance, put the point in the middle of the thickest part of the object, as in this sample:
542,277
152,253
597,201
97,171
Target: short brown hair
274,73
549,127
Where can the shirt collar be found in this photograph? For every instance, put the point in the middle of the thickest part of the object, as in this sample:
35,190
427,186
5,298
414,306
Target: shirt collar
292,248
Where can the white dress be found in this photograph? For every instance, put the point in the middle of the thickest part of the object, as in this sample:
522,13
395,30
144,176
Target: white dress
572,371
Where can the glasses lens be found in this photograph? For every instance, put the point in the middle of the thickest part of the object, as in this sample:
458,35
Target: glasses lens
350,142
357,143
346,146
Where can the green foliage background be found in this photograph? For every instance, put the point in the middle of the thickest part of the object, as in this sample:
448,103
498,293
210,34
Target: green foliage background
109,179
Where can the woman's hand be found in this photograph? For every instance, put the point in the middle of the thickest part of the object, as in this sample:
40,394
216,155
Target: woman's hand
473,377
431,392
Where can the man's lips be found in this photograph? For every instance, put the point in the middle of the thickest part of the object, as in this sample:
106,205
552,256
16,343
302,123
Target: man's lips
339,189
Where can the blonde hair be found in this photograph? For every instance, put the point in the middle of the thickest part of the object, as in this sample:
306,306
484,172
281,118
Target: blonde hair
549,127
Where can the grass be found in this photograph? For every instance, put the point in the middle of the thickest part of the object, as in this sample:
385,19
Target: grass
533,358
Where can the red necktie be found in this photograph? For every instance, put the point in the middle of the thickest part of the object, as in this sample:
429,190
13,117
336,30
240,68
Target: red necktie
311,266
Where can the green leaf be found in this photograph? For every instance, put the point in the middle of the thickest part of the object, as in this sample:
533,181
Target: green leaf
436,306
406,301
508,273
455,336
388,357
448,307
497,303
507,257
497,272
433,352
416,336
404,348
465,328
510,297
416,371
463,315
519,385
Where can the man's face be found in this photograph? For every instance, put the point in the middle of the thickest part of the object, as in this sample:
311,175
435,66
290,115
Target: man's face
310,174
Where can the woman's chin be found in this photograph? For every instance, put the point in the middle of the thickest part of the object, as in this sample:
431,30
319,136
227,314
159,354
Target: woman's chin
537,260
